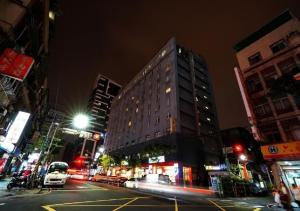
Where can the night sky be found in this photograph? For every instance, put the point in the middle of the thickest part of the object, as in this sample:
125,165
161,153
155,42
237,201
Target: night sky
118,38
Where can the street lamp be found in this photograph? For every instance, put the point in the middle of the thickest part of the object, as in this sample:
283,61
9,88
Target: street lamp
243,157
81,121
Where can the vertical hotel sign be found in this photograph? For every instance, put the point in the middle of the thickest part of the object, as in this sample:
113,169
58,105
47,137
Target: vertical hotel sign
17,127
15,65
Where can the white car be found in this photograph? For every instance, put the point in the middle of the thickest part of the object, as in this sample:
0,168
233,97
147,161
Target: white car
131,183
56,174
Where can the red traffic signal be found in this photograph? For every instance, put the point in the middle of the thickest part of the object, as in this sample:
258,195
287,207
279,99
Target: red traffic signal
238,148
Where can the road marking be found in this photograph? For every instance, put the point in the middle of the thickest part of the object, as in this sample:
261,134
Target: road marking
68,190
221,208
100,200
47,207
124,205
2,204
176,206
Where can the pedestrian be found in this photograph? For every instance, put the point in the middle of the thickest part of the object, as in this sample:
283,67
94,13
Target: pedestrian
284,196
277,197
296,193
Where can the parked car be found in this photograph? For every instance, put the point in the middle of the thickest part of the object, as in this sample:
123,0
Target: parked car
56,174
99,177
131,183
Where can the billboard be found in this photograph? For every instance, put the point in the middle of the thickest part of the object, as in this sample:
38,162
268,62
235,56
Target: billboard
17,127
15,65
289,150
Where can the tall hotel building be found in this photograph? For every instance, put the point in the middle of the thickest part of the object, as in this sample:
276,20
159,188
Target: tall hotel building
99,103
267,58
170,101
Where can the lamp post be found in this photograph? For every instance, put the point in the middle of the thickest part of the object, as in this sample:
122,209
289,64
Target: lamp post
81,121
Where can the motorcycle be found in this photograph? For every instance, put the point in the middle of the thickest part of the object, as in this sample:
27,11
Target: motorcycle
17,181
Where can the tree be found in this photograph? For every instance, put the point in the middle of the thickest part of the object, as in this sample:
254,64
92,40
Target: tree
106,161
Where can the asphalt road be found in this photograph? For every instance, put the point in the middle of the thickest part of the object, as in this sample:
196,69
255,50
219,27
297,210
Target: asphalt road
81,195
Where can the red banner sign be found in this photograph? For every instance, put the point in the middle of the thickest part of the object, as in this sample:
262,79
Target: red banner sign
15,65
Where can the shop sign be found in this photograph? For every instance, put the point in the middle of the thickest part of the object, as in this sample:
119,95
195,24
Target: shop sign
215,168
159,159
17,127
15,65
282,151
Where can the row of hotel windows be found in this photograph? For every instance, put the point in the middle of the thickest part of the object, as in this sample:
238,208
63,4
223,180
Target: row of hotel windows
275,47
269,75
291,128
282,105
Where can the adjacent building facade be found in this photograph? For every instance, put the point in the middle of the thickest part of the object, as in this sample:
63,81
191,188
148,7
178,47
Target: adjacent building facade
268,61
170,101
100,100
25,30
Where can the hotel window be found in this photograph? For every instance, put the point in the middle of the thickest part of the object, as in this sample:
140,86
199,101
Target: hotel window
270,75
283,105
278,46
253,83
287,65
254,58
157,120
168,101
168,115
168,67
168,90
157,134
129,124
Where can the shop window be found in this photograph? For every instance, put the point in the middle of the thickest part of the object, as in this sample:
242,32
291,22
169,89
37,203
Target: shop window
278,46
269,75
254,58
253,84
283,105
287,65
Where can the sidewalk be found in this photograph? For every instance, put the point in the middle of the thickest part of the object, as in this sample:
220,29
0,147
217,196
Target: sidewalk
14,191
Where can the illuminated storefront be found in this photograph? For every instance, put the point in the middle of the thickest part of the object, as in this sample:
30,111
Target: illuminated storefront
285,162
177,173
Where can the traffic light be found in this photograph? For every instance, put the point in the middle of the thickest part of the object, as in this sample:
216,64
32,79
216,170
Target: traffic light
238,148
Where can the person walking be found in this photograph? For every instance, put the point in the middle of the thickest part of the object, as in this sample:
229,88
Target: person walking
284,196
296,193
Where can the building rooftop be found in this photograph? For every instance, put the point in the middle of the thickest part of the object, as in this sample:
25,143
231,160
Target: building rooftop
271,26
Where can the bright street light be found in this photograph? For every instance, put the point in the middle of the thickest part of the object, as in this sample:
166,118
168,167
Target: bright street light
81,121
243,157
101,149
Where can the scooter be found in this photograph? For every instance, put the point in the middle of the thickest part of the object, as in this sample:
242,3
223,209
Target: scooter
17,181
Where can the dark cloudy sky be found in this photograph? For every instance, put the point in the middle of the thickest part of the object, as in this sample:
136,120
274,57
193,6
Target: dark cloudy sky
117,38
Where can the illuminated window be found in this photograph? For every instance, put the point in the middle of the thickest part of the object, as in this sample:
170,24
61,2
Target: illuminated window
163,53
204,87
205,97
168,90
129,124
206,108
197,99
136,110
208,119
179,50
51,15
126,109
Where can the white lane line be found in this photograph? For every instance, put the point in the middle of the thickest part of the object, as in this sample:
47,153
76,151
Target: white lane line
2,204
